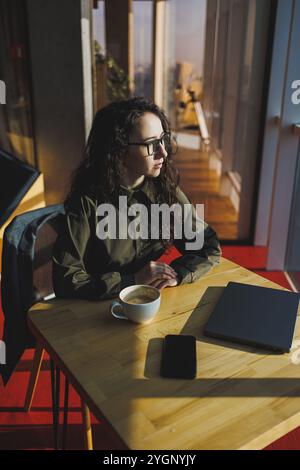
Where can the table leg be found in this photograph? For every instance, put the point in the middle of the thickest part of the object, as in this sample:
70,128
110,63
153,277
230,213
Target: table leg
55,386
65,425
87,429
34,374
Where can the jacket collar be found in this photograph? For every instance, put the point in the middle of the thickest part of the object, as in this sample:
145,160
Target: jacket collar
145,187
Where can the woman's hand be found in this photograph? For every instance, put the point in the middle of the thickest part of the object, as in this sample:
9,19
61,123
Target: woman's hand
159,284
156,274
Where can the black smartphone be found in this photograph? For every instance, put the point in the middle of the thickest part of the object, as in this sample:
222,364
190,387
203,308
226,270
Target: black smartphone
179,357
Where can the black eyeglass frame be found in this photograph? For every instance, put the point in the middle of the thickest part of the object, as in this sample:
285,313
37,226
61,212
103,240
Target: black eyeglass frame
155,143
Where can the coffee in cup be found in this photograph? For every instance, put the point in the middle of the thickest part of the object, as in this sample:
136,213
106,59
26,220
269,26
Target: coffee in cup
137,303
141,295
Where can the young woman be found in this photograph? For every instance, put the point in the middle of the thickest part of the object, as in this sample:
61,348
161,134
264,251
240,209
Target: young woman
128,153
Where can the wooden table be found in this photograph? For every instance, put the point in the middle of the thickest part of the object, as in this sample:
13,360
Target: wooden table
242,398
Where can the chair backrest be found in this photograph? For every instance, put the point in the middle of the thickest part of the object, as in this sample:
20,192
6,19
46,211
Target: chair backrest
22,258
42,261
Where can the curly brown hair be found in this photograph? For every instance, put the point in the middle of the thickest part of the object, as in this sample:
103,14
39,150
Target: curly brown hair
101,168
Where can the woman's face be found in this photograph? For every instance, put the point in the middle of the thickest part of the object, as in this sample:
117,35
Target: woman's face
137,161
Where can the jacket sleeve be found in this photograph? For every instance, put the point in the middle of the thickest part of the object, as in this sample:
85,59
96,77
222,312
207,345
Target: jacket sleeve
197,261
70,277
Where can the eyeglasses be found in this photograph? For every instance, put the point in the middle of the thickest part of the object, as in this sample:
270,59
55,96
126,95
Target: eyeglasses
153,145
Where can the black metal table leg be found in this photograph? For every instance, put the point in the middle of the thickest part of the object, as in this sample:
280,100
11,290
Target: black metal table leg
55,386
65,425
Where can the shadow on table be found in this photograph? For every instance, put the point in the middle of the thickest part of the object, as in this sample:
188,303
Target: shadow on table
213,387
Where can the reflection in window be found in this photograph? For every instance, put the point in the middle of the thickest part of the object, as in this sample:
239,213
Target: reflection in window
142,30
100,70
99,26
184,38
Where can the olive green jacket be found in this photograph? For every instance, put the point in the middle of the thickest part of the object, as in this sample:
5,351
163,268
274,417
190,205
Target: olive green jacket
87,267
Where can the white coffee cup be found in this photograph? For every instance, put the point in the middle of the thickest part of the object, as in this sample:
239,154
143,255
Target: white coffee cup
138,303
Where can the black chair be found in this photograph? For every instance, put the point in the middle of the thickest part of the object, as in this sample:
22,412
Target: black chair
26,268
26,279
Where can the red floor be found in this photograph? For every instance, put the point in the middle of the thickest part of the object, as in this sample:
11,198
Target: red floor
33,430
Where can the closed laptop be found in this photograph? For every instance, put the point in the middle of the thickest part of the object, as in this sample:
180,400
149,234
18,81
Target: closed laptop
256,316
